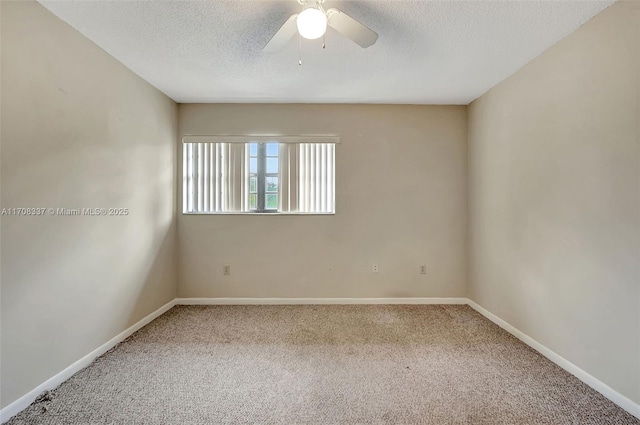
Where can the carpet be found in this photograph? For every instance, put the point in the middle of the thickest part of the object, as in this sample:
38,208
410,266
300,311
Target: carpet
352,364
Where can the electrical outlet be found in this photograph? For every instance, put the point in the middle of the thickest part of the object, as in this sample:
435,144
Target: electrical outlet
374,269
423,269
226,270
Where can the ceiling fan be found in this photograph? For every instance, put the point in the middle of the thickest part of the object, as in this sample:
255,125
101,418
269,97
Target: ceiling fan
312,23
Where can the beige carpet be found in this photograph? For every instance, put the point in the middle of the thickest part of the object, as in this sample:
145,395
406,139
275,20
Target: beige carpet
323,365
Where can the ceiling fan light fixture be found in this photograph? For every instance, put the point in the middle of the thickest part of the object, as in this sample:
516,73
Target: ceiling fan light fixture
312,23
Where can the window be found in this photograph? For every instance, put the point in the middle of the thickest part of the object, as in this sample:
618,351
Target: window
234,174
263,177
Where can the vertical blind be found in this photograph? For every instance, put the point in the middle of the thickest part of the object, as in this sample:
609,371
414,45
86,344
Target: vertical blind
216,177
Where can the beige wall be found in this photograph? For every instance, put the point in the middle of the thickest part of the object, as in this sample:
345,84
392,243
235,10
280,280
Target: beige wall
401,201
78,130
554,163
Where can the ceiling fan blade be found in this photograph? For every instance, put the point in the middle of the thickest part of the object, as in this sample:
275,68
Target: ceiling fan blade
351,28
284,34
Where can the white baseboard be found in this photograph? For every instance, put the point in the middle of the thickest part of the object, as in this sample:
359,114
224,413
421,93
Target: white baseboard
316,301
585,377
23,402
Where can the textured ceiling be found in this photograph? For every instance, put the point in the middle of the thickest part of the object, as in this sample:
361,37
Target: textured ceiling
429,52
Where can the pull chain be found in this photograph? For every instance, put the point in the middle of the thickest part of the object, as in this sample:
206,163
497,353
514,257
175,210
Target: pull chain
299,49
323,40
